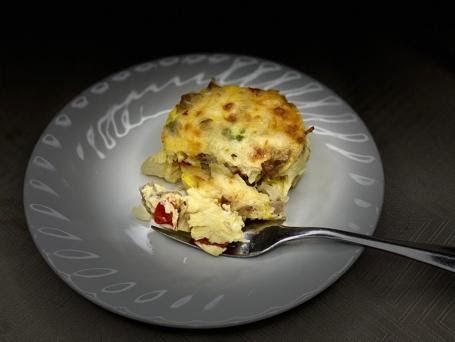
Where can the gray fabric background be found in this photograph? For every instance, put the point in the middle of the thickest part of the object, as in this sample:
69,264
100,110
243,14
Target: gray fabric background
405,95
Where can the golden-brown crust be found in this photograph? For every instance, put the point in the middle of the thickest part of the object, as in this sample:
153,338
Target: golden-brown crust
231,117
228,106
253,124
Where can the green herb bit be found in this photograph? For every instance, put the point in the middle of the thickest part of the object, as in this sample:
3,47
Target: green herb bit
227,132
171,125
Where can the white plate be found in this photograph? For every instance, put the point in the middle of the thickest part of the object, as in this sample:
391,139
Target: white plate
82,182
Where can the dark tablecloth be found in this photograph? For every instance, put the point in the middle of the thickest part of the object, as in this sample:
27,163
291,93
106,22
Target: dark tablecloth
404,90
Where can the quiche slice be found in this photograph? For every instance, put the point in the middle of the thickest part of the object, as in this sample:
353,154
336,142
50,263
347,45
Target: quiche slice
237,152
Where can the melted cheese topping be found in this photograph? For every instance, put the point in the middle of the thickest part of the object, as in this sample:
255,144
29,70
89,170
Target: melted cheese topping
252,130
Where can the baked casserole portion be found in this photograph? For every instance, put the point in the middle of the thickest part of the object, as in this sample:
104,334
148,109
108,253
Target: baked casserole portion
237,152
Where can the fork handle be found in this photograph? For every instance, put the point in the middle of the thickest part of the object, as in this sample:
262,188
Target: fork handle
440,256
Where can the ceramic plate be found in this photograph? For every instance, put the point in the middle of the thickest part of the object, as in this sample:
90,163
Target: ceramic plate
83,178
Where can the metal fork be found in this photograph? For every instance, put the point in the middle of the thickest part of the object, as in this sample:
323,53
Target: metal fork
264,236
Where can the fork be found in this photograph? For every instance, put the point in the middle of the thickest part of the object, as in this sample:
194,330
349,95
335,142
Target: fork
266,235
